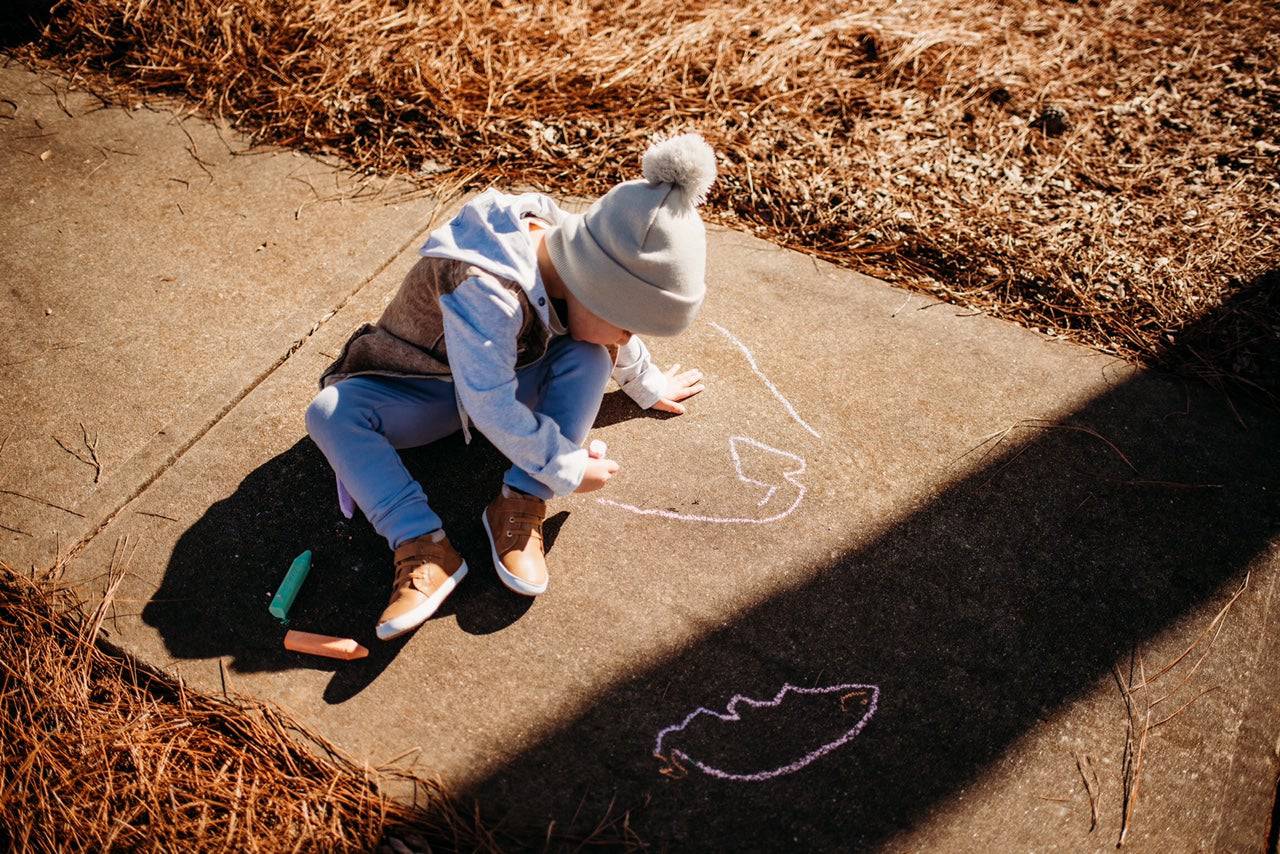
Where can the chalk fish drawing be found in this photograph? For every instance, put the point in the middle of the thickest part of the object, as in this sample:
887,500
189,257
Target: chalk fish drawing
789,475
869,693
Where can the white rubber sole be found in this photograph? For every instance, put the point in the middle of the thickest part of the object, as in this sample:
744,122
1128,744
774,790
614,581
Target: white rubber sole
410,620
511,582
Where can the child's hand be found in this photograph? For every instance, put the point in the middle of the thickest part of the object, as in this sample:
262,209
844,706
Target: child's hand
679,387
598,474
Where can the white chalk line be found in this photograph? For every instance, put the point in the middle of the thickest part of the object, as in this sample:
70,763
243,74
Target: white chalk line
770,489
789,476
751,360
731,715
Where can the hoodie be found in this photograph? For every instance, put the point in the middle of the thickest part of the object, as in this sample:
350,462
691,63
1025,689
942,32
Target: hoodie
476,310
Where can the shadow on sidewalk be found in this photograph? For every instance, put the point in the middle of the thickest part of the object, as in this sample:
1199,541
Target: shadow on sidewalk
1006,596
224,569
22,20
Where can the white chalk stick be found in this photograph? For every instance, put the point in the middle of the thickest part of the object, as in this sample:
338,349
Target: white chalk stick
597,449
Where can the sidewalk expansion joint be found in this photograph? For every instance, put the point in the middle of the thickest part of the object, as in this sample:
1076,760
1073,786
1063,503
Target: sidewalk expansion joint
226,410
1245,705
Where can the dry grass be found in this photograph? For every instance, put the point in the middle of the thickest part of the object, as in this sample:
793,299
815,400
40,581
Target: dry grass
99,752
1105,171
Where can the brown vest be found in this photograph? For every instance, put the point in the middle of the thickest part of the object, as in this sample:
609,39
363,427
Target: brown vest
408,340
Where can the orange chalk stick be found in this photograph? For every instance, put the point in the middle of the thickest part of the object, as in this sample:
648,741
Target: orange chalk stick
313,644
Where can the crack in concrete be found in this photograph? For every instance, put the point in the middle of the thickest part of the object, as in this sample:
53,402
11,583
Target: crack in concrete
1263,637
226,410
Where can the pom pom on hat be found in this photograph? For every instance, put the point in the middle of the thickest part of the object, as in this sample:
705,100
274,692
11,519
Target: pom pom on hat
686,161
638,256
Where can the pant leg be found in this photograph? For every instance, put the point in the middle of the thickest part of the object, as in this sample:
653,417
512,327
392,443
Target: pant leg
567,386
358,423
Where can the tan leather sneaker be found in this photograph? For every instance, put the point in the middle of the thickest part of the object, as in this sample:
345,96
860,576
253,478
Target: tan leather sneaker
514,525
427,571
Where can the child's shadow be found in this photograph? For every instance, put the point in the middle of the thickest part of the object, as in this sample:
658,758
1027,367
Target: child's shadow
616,407
225,568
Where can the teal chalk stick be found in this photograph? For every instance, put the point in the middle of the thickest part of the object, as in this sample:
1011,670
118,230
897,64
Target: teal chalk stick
288,591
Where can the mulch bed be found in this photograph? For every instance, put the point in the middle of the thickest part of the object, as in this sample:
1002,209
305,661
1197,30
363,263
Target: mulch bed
100,752
1107,172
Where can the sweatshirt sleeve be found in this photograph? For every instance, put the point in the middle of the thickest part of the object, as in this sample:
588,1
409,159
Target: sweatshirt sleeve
637,375
481,322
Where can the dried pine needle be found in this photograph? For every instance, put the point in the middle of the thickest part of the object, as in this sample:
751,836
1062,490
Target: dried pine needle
1103,172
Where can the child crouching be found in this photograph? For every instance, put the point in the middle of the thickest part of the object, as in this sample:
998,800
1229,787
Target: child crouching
513,322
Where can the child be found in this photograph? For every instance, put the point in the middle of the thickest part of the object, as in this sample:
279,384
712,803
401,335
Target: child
514,320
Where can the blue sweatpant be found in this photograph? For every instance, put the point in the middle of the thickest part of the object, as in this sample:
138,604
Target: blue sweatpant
360,422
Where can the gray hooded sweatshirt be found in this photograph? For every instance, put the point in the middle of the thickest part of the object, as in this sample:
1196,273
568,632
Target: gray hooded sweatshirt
473,311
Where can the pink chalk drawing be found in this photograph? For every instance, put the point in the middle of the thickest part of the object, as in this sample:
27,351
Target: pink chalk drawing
770,490
788,475
675,757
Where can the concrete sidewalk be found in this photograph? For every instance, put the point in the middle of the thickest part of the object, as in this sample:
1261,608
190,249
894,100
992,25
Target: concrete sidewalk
941,549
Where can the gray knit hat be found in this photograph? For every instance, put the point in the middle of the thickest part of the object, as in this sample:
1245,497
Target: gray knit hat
638,256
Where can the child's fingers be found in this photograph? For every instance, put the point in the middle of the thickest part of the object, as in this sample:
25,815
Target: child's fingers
669,405
671,371
685,380
684,393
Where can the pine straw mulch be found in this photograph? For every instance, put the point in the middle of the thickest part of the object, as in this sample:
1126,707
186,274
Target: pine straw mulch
1100,170
100,752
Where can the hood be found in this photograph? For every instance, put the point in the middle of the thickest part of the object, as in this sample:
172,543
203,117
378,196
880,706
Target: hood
487,233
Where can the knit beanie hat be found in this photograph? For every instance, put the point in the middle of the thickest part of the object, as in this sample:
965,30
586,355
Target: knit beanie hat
637,257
